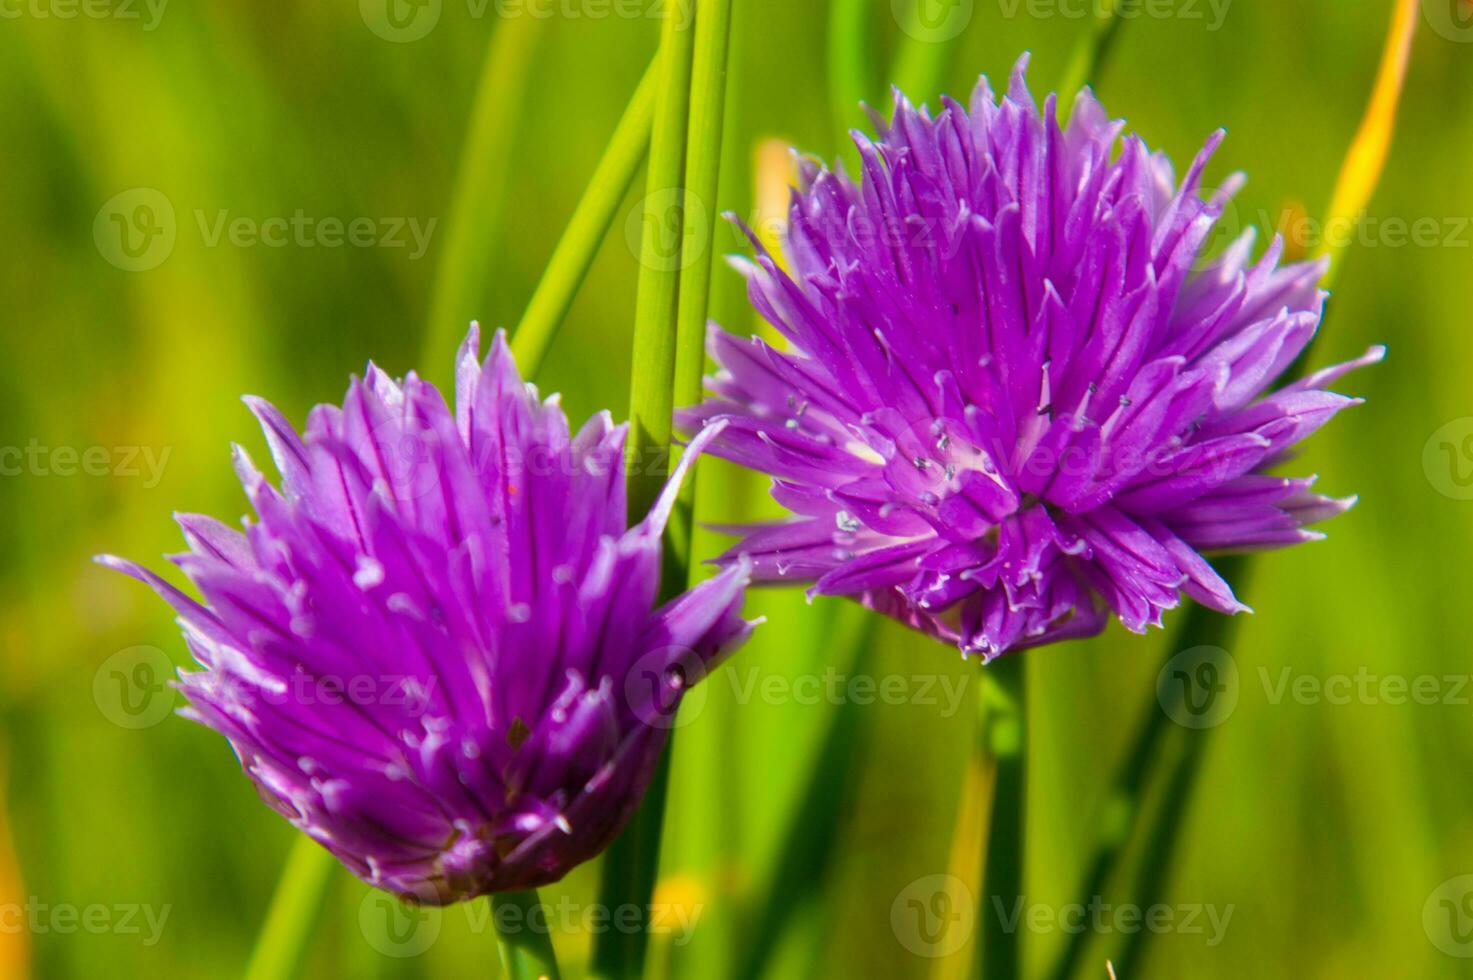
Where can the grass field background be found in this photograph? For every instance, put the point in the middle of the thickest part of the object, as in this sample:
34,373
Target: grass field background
1327,828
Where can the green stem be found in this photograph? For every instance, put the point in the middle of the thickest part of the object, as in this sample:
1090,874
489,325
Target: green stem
295,908
705,800
702,184
1165,833
803,865
1092,52
526,943
630,867
921,60
1127,795
1204,628
474,224
652,383
1005,739
851,61
1201,628
631,863
586,231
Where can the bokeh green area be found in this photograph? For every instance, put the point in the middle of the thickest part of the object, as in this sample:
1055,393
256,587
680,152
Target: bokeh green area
1327,828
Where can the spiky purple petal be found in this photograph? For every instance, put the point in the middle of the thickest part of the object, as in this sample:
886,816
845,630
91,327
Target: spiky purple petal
428,650
1022,393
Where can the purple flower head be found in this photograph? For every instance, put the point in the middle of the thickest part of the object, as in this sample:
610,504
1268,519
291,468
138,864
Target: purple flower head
436,651
1021,394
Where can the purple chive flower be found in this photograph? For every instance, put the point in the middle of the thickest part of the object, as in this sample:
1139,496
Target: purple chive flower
1020,395
437,652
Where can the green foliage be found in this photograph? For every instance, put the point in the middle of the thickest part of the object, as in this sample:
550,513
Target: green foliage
1327,827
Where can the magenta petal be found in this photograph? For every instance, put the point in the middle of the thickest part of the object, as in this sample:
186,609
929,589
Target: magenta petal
422,650
1020,394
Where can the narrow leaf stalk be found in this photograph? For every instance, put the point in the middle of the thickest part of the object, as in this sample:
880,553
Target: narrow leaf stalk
525,942
652,383
1359,177
474,224
702,184
587,229
851,61
1093,51
1364,163
632,862
926,46
1004,735
811,845
286,935
1127,798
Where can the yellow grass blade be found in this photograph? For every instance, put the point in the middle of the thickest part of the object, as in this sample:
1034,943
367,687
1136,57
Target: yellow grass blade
14,946
1367,157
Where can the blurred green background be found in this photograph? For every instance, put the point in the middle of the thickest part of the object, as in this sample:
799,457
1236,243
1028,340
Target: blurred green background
1327,829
